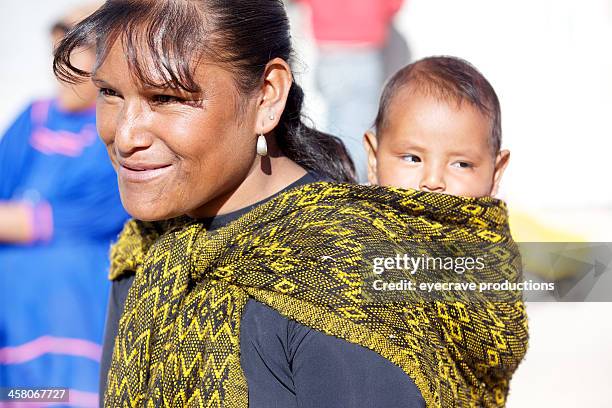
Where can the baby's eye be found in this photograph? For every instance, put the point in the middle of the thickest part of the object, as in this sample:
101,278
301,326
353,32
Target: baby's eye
107,92
411,158
463,165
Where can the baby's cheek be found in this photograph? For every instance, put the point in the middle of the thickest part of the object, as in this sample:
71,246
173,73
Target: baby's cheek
471,185
396,175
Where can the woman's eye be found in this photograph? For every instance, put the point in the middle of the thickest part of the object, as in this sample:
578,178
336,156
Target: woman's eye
411,158
462,165
107,92
163,99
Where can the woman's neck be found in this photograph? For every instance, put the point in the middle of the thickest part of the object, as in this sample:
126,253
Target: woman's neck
266,177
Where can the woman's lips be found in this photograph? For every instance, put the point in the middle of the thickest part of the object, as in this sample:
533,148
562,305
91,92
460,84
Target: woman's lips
139,173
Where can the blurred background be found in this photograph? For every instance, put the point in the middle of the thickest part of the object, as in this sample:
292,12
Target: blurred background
550,63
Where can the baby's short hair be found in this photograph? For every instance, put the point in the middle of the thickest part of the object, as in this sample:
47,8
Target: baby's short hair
449,79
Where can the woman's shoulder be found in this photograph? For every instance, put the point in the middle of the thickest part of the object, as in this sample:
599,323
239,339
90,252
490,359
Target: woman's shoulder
318,206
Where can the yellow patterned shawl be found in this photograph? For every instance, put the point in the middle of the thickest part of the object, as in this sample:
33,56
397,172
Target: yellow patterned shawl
308,254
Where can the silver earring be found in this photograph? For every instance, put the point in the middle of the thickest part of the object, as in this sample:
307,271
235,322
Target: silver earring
271,117
262,146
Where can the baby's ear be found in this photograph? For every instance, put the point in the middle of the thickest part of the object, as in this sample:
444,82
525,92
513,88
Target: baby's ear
501,163
370,143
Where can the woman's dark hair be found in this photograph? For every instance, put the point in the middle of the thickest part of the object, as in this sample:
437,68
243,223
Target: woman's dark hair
243,35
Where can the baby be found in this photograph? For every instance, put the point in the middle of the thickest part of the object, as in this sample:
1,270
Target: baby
438,129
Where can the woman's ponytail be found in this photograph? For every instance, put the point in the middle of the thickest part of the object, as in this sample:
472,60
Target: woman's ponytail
316,151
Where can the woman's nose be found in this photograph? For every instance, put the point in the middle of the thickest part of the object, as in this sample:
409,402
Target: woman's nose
131,133
432,180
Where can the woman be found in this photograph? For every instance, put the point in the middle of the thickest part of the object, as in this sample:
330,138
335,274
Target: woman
243,282
59,212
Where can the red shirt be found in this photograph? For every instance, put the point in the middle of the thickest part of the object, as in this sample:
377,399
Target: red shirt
352,21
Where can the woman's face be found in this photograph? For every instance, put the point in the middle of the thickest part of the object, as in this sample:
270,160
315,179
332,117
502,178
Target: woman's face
174,152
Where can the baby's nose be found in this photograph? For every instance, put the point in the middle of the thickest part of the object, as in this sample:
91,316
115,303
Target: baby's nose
432,181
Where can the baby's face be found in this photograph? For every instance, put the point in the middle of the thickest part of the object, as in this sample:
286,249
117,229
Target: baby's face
436,146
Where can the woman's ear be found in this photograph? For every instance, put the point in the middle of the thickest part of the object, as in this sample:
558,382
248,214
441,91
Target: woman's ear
273,96
501,163
370,143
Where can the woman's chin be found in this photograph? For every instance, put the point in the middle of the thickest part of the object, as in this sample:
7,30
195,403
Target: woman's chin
146,210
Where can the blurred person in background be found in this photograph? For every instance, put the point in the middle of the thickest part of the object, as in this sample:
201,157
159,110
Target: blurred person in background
59,211
351,37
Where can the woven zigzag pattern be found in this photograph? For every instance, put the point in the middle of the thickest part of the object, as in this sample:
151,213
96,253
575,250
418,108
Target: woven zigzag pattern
309,254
